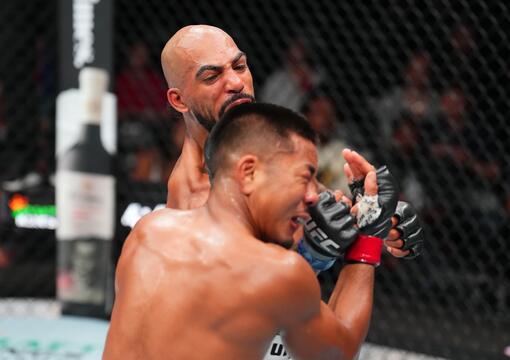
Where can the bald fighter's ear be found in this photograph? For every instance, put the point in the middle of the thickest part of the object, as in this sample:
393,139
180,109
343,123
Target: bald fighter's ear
246,170
173,95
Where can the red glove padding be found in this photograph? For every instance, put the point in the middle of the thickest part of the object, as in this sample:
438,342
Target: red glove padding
366,249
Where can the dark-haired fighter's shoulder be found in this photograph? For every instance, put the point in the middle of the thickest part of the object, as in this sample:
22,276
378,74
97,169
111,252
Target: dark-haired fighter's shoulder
294,287
142,271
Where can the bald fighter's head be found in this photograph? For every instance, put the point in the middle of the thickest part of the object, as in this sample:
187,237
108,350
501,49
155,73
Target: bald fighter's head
206,73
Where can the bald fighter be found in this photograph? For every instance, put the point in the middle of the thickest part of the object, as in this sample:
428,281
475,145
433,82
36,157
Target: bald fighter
207,74
218,281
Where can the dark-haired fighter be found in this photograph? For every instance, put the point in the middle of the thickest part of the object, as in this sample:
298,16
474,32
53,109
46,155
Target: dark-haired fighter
218,282
207,74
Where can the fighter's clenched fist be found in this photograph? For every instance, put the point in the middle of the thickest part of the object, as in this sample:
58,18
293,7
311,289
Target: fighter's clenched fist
406,237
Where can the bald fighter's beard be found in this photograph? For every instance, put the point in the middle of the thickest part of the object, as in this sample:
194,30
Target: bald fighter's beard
208,121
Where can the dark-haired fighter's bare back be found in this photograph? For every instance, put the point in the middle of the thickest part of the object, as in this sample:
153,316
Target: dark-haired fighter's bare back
224,295
198,284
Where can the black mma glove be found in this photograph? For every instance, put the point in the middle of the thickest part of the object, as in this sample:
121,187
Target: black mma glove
331,228
387,202
410,229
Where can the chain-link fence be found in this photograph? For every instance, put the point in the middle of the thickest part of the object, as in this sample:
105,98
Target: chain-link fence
419,85
27,112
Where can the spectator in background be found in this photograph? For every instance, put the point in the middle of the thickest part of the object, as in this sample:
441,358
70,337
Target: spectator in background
405,156
45,79
35,165
413,100
142,111
4,258
290,85
470,59
466,173
462,39
455,63
399,114
323,115
458,139
4,254
176,141
3,125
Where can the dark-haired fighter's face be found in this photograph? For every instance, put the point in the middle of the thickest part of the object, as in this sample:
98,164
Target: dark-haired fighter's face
286,187
218,79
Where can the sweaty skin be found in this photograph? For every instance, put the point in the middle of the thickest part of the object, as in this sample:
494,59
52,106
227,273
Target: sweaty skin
216,304
167,299
183,55
199,284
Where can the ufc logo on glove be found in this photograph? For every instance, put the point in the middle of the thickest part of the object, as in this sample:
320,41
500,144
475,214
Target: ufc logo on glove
319,236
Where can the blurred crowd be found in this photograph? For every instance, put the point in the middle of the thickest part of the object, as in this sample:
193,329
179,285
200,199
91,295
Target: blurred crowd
430,127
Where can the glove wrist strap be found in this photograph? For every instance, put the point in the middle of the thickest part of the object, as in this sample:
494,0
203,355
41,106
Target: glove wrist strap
366,249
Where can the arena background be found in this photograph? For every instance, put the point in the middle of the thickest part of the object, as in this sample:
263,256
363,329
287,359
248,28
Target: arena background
419,85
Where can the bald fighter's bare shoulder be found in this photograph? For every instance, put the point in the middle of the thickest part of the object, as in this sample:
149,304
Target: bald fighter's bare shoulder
188,288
